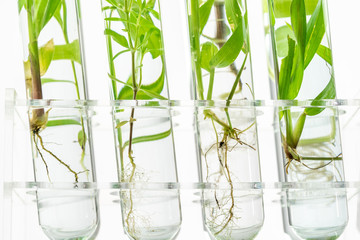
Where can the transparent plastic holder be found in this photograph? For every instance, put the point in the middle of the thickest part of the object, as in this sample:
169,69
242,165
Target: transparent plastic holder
19,202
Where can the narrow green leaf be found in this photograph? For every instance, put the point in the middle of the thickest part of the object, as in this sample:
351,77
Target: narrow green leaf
21,4
50,80
61,122
230,51
208,51
325,53
285,71
233,13
204,13
57,16
120,39
44,11
329,92
297,74
108,8
315,33
69,51
149,138
148,94
50,10
115,3
298,22
39,6
155,14
115,19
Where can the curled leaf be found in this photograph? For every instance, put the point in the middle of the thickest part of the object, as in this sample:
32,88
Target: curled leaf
208,51
82,139
46,54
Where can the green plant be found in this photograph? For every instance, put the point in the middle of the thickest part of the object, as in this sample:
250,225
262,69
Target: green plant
297,43
230,49
134,42
39,13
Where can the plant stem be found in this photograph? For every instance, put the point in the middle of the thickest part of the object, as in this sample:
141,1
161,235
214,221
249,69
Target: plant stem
111,59
211,84
322,158
195,35
233,89
36,91
135,90
132,117
289,128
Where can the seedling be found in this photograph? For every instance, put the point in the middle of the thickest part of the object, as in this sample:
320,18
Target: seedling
39,13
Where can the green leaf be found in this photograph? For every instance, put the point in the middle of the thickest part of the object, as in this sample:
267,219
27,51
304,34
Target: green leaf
82,138
61,122
51,8
315,33
282,7
204,13
230,51
57,16
325,53
45,10
329,92
50,80
120,39
233,13
115,3
150,4
21,4
149,138
115,19
146,92
46,54
69,51
155,14
208,51
281,37
153,43
297,74
108,8
285,71
129,90
298,22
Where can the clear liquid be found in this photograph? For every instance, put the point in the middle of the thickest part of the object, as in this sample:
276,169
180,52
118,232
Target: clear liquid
326,214
239,234
67,214
157,233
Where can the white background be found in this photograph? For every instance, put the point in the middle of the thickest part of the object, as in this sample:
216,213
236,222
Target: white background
345,32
